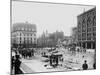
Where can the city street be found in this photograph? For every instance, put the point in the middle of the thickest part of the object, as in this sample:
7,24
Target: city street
71,62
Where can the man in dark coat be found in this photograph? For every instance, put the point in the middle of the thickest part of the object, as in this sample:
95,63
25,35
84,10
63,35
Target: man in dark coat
94,66
85,65
17,65
12,62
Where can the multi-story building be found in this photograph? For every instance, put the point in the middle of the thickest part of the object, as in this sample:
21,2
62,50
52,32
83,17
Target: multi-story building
23,35
87,29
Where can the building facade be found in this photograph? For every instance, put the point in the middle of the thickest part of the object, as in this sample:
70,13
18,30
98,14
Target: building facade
23,35
87,29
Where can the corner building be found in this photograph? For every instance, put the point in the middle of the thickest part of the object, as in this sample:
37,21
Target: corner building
23,35
87,29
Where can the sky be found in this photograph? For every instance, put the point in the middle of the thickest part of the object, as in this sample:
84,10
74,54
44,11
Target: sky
48,17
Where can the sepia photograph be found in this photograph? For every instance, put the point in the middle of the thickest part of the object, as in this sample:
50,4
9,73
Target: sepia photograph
52,37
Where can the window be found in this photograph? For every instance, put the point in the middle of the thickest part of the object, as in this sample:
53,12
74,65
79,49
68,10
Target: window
89,22
31,40
94,28
20,38
89,35
89,30
94,34
89,38
79,30
83,25
79,24
79,37
34,39
83,21
83,29
24,40
34,34
83,38
84,35
94,21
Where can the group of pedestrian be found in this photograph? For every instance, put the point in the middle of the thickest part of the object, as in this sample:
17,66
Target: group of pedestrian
26,53
15,64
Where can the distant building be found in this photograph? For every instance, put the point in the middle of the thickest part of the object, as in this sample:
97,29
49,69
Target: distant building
74,35
23,35
87,29
50,39
67,40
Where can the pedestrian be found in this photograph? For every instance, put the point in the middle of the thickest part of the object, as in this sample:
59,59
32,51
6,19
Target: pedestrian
83,56
12,62
17,65
85,65
94,66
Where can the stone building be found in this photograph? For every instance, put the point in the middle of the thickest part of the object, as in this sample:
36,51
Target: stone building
87,29
23,35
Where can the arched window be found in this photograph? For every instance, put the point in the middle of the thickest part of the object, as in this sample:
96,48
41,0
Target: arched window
94,21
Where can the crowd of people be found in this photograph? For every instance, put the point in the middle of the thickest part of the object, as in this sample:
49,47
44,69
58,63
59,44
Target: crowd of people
26,53
15,64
